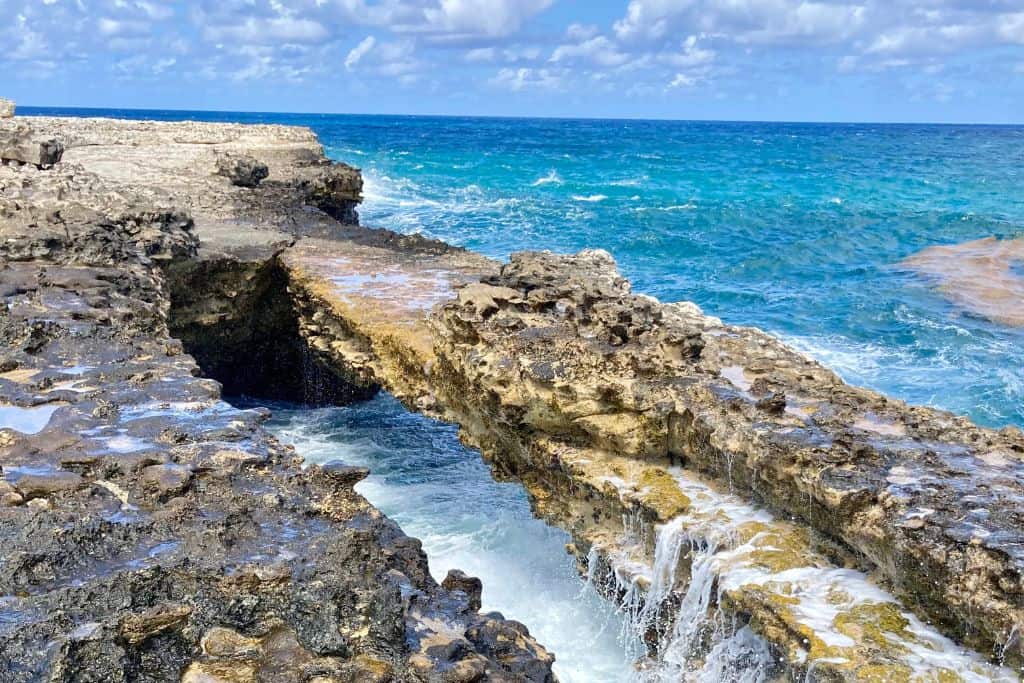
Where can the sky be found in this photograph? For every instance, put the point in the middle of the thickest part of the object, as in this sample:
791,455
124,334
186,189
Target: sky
791,60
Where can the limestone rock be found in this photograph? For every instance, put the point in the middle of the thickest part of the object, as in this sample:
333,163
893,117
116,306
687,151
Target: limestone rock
190,518
336,189
6,108
140,626
242,170
165,481
20,144
225,642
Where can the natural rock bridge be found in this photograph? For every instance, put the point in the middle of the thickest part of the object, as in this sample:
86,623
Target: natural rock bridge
713,480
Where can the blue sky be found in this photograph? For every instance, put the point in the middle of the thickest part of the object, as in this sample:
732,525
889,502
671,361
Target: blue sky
821,60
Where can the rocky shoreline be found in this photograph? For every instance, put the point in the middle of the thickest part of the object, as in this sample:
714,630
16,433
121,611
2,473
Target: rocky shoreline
718,485
151,531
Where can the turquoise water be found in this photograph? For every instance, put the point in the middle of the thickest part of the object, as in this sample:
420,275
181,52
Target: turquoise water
794,228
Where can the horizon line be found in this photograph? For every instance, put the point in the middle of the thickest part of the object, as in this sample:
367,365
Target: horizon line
520,117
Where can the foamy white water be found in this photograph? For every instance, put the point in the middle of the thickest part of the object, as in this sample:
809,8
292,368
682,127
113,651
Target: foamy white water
443,494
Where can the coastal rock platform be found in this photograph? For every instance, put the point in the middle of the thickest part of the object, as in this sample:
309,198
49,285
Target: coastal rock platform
730,494
150,530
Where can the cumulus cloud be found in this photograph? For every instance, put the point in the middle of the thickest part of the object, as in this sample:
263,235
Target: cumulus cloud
645,47
598,50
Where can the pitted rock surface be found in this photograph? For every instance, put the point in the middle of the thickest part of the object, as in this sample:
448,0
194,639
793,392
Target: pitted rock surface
560,347
21,145
591,395
242,170
152,531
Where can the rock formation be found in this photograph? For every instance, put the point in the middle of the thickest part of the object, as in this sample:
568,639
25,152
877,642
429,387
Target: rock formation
713,480
6,108
20,145
242,170
151,531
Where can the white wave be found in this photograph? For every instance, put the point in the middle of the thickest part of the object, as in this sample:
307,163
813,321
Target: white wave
688,206
629,182
551,177
589,198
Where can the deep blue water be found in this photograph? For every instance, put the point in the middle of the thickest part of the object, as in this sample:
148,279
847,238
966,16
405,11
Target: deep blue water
795,228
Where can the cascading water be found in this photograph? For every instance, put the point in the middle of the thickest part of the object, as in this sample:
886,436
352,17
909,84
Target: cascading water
692,640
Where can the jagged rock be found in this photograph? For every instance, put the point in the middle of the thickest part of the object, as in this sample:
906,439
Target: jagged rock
42,485
588,393
139,627
188,544
336,190
242,170
165,481
458,580
21,145
6,108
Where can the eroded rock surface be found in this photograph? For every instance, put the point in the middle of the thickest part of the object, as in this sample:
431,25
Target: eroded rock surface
838,531
151,531
242,170
22,145
560,347
592,396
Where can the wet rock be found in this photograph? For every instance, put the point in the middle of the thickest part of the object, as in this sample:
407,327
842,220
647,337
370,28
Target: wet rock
774,403
198,548
136,628
165,481
587,393
225,642
42,485
457,580
242,170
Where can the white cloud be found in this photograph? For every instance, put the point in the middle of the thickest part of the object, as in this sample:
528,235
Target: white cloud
691,56
359,51
481,54
525,78
482,17
598,50
268,31
682,81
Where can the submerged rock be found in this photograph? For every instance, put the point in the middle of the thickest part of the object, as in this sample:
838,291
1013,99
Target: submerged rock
983,277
